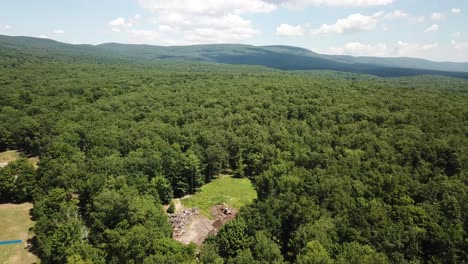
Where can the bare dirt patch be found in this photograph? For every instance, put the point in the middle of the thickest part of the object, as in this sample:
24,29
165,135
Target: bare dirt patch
195,226
203,213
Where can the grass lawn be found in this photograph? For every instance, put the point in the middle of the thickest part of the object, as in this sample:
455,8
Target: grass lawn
234,192
15,222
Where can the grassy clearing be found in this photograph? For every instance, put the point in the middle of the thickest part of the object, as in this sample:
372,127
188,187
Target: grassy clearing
234,192
12,155
9,156
15,222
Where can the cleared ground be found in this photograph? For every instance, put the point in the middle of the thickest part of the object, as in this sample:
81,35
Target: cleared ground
8,156
209,199
231,191
12,155
15,223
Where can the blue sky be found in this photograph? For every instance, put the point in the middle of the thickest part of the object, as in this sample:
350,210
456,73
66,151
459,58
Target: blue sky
431,29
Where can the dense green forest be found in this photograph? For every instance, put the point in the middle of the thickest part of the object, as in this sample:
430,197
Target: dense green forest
348,168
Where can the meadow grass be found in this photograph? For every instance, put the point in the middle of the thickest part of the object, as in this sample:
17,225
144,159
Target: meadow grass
15,223
231,191
12,155
9,156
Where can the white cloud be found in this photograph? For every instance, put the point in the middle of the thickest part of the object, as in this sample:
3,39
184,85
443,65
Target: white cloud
398,49
351,24
165,28
121,22
459,45
223,29
58,31
205,29
192,21
437,16
5,27
460,51
360,49
417,19
43,36
457,34
396,14
432,28
289,30
456,10
430,46
334,3
208,7
399,14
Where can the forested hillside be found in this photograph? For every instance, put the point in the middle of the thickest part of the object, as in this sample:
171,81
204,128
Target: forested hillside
347,168
275,57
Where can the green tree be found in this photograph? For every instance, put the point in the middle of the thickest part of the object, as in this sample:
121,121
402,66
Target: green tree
209,255
265,250
232,238
163,189
355,253
17,181
313,253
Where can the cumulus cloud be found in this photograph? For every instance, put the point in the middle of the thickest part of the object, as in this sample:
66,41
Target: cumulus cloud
193,21
334,3
205,29
437,16
459,45
396,14
399,14
432,28
350,24
122,22
456,10
289,30
417,19
221,29
58,31
5,27
361,49
397,49
210,7
453,51
43,36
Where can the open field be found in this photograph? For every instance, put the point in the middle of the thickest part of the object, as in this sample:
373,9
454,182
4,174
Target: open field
15,223
234,192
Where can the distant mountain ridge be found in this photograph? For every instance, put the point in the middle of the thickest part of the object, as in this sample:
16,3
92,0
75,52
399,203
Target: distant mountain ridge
275,56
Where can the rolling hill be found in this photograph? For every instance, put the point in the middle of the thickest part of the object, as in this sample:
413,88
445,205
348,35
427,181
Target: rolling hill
277,57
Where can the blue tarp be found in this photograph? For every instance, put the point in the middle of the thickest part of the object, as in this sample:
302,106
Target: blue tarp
9,242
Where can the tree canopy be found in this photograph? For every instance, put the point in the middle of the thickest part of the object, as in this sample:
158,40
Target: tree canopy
348,168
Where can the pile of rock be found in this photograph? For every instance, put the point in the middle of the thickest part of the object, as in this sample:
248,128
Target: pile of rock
180,221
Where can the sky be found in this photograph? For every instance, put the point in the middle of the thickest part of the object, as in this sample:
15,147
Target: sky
430,29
